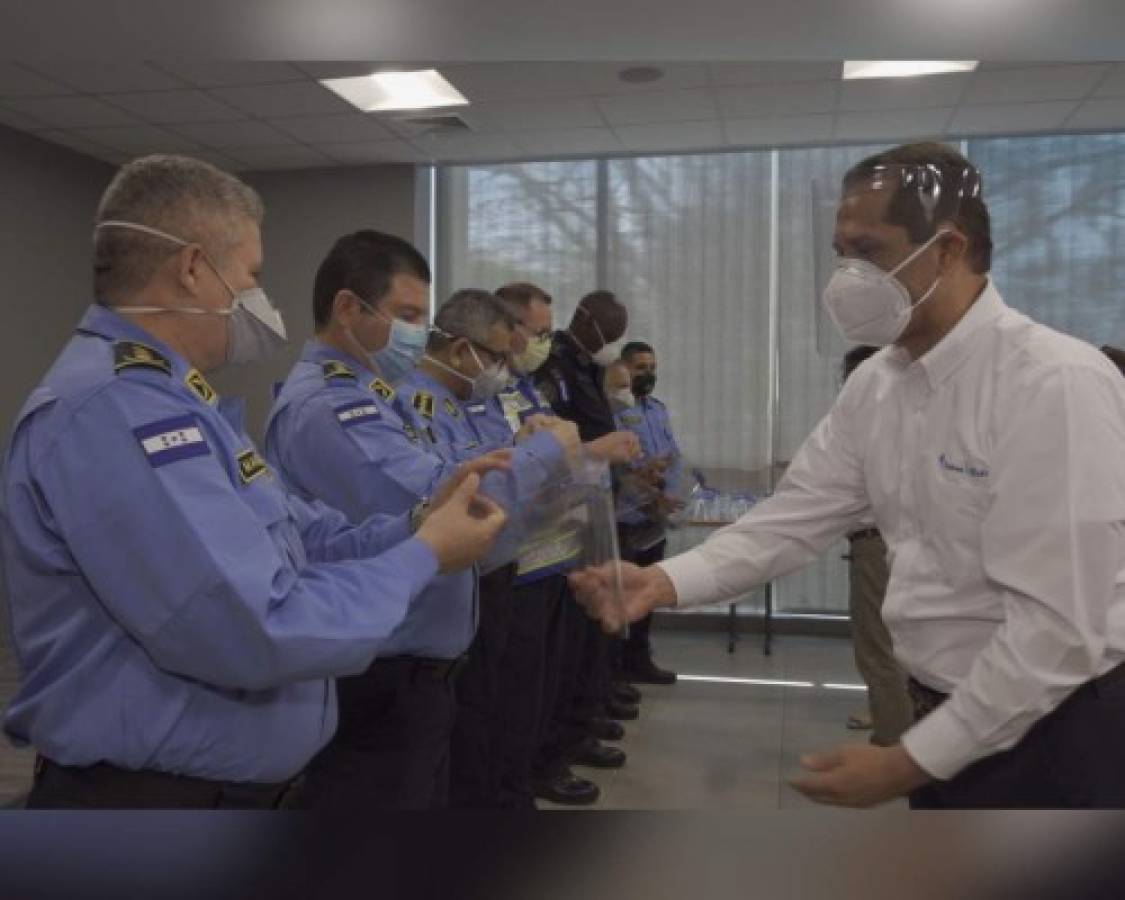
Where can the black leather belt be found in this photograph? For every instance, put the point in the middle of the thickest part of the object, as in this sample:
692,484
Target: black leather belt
422,667
864,533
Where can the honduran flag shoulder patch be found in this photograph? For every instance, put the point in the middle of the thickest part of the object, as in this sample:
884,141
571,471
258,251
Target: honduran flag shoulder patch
354,413
171,440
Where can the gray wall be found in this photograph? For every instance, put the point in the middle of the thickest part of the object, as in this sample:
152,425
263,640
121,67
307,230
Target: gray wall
48,196
305,212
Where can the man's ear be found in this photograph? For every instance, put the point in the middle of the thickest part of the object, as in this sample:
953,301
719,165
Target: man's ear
345,304
190,265
953,246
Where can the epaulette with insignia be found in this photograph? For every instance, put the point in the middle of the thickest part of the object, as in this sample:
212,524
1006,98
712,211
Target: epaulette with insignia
198,385
333,369
452,408
134,354
382,389
424,403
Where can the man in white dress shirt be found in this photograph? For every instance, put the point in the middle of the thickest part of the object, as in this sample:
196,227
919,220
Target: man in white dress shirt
989,451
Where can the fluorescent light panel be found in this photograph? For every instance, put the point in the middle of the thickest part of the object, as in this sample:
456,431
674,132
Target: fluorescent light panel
389,91
773,682
901,68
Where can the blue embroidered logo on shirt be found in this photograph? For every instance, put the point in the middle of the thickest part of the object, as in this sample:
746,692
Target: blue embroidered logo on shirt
354,413
172,439
962,469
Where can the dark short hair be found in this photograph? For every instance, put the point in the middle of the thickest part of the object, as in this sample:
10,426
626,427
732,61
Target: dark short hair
364,262
1116,355
968,213
855,356
605,309
521,293
634,347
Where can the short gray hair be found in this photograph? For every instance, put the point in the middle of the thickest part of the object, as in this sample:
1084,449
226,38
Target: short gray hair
471,314
185,197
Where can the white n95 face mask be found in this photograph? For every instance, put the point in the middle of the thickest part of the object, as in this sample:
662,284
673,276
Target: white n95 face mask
256,328
869,305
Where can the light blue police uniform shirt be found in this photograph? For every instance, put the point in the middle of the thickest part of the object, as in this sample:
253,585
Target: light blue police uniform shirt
452,430
648,420
172,607
335,435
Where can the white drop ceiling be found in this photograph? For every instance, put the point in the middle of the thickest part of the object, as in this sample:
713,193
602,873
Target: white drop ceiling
275,115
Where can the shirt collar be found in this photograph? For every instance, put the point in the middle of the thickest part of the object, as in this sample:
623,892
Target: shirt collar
107,323
943,359
318,352
420,380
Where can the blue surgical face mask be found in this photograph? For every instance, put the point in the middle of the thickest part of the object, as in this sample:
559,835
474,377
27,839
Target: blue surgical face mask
405,345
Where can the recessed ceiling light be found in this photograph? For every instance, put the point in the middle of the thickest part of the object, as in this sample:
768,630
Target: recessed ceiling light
901,68
640,74
387,91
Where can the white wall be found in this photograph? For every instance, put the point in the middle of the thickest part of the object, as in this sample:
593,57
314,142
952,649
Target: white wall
305,212
48,196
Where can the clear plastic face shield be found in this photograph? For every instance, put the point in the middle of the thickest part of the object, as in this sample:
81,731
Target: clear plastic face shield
939,194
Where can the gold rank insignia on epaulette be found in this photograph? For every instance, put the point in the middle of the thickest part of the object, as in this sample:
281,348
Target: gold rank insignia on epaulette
134,354
382,390
424,403
452,408
334,369
198,385
250,465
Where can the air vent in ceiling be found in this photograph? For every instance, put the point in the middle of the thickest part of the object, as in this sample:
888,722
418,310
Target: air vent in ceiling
416,126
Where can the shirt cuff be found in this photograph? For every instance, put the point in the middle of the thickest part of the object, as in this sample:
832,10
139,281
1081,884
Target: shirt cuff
690,574
416,562
941,745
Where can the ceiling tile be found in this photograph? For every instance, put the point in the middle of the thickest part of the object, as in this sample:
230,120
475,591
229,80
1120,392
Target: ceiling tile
349,128
392,151
604,78
902,93
1094,114
671,136
176,106
70,112
777,99
20,121
77,142
556,113
1036,84
228,135
773,131
774,72
640,109
513,81
299,98
19,81
107,77
294,156
1010,118
139,139
205,73
344,69
568,142
896,124
467,147
1114,85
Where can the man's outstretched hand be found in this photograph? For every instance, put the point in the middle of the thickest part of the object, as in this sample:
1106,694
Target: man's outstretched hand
617,593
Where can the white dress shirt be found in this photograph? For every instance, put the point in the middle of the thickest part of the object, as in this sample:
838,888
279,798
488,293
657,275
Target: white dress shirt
994,466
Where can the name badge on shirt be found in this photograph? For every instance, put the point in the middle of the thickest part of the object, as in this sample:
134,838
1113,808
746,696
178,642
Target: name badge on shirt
171,440
355,413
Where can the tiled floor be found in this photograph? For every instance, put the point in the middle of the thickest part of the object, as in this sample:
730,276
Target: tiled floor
706,745
697,745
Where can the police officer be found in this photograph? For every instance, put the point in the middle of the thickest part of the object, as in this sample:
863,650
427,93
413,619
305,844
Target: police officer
572,380
642,532
447,400
335,434
177,615
529,672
